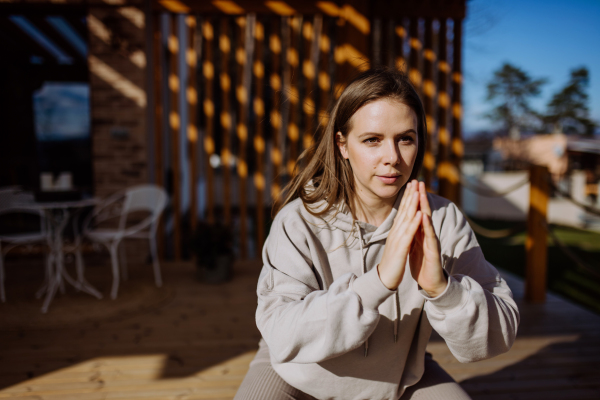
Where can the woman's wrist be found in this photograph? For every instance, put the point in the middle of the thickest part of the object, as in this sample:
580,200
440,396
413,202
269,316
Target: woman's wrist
390,279
436,290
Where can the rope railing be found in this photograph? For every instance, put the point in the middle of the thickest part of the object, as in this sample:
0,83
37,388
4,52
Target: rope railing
589,209
485,192
581,264
494,233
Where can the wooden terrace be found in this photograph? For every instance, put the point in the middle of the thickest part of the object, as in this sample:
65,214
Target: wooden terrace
189,340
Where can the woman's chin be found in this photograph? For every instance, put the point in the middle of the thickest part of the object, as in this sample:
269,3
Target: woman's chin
388,192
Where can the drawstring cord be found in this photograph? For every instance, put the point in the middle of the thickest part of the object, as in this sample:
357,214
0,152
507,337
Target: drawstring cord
363,267
396,316
363,271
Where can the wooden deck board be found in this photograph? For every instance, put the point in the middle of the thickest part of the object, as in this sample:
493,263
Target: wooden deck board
197,343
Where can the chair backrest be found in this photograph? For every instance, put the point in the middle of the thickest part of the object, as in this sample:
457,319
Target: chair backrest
14,196
14,202
151,198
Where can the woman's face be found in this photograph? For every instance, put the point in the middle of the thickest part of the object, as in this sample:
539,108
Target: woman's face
381,147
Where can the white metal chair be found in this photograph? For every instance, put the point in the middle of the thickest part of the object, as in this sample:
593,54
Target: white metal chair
11,201
142,198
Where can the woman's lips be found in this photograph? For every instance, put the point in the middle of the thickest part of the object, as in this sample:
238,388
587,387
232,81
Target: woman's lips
388,180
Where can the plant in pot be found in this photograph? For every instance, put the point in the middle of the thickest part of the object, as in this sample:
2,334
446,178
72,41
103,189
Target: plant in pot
213,247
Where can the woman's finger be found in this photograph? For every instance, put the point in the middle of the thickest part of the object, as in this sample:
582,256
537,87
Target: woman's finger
424,201
428,227
405,200
412,207
414,225
401,217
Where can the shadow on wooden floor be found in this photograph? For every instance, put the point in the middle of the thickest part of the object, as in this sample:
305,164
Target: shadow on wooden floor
192,340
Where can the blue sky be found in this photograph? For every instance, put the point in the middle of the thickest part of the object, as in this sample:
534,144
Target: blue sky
545,38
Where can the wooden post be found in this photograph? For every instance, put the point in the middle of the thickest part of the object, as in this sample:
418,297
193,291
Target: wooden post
535,245
175,123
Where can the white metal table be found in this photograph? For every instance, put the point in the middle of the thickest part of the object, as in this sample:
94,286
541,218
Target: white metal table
58,215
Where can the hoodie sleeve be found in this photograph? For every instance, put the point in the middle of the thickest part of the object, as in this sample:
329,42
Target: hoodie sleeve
299,321
476,314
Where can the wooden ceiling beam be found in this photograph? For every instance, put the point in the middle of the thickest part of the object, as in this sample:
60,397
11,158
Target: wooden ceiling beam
383,8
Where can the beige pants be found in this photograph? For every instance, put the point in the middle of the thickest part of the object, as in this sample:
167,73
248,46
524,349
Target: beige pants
263,383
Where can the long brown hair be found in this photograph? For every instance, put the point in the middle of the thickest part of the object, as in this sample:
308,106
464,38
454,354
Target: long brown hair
331,175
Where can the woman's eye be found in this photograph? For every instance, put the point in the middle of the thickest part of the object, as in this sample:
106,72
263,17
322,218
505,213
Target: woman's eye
371,140
406,139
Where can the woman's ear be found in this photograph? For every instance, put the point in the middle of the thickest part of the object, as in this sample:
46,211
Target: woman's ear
340,140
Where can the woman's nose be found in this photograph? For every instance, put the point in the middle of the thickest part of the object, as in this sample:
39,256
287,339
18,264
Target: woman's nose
391,155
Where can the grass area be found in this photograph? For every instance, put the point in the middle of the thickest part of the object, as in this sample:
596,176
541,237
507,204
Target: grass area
565,277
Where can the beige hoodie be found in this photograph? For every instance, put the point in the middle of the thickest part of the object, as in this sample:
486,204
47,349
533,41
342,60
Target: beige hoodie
321,303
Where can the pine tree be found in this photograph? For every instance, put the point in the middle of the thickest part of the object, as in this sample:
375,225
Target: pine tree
568,110
510,89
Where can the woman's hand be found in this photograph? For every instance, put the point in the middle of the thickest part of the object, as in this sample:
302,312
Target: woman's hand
425,263
399,240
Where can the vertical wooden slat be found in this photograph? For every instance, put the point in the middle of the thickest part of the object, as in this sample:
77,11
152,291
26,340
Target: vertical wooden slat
414,61
536,242
292,92
324,79
275,80
192,128
259,141
428,96
352,44
226,119
311,32
389,40
208,71
376,43
400,38
456,152
445,176
244,50
158,122
175,123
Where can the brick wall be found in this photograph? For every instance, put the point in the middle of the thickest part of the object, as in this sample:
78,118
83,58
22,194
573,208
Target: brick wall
117,64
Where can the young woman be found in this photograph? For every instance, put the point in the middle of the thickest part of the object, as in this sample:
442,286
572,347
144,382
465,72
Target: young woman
361,263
